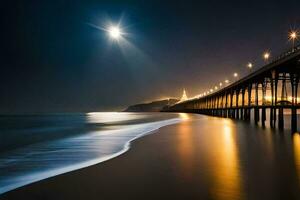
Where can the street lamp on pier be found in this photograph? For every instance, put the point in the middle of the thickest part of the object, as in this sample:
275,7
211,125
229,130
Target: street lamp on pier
266,55
250,66
293,35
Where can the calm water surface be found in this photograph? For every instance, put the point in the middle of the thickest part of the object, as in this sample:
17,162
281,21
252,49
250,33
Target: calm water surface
208,157
232,159
35,147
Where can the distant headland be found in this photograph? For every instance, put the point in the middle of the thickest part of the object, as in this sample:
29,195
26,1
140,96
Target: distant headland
154,106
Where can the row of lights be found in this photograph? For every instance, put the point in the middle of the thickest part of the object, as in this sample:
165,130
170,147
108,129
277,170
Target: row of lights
293,35
115,33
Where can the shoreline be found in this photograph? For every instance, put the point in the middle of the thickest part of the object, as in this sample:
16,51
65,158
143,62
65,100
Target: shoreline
128,147
69,169
199,158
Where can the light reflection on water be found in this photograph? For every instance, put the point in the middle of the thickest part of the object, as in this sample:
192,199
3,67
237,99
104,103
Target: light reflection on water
185,147
232,159
227,175
296,143
112,117
215,157
184,116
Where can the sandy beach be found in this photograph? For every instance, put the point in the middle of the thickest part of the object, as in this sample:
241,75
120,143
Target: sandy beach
199,158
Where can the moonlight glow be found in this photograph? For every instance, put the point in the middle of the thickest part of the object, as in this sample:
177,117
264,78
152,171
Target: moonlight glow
114,32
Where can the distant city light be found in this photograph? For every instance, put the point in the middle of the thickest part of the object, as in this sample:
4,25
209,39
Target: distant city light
216,87
226,81
235,74
266,55
211,90
220,84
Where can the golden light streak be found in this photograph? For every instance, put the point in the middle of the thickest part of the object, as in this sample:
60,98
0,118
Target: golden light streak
296,144
227,177
184,116
185,149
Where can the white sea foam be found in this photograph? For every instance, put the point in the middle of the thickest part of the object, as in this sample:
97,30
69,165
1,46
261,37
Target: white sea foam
39,161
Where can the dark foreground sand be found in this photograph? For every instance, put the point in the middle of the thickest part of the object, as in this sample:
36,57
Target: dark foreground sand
177,162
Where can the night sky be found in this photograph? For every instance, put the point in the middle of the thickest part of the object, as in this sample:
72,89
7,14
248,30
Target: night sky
53,60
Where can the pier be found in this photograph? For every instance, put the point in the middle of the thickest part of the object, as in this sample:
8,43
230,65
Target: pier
273,87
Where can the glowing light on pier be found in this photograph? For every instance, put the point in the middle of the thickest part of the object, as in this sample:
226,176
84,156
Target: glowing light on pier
250,65
266,55
226,81
293,35
235,75
216,87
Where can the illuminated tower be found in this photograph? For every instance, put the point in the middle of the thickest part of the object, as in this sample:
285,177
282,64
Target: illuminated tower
184,97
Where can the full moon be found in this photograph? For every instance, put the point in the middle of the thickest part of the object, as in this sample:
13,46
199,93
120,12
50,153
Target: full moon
114,32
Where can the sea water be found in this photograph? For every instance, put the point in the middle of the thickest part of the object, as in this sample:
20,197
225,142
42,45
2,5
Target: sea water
36,147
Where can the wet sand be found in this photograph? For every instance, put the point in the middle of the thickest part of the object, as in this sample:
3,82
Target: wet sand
200,158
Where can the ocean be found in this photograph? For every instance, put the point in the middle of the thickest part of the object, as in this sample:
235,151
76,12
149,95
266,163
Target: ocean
36,147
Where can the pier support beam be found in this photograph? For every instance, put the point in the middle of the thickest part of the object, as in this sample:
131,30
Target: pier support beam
256,109
263,110
283,100
272,99
275,95
237,111
294,84
226,105
280,119
231,109
243,105
249,101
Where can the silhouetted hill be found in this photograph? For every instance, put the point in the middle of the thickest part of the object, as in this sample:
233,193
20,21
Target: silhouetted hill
154,106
